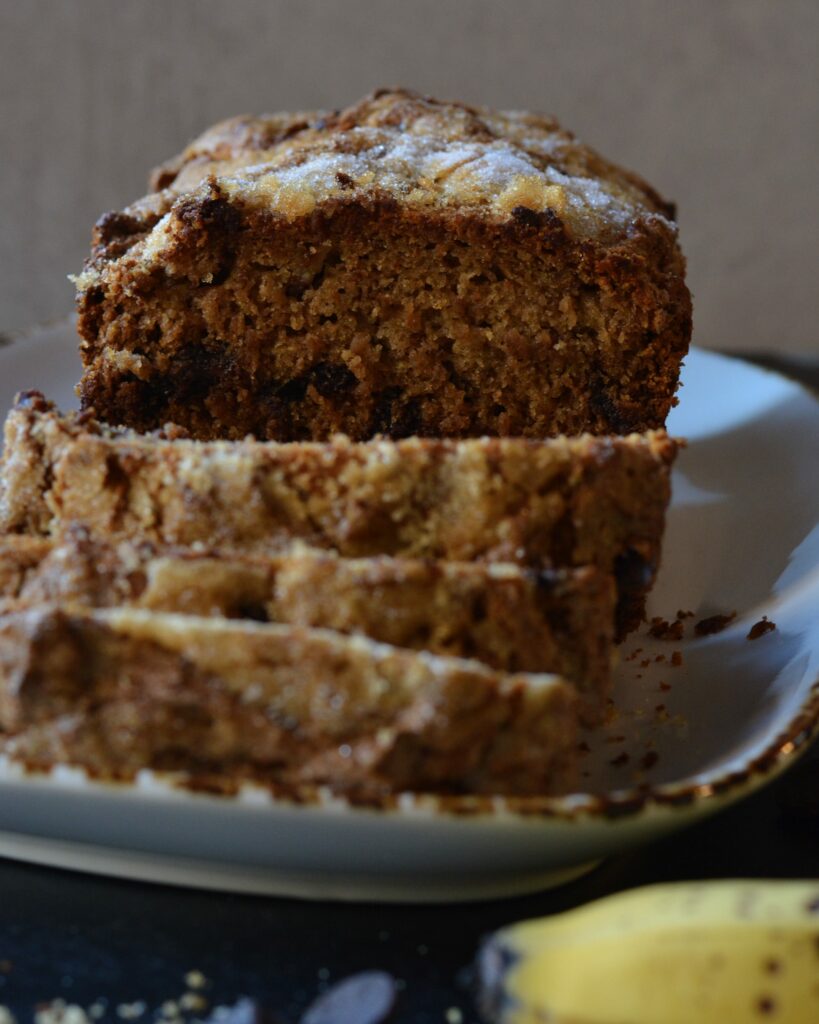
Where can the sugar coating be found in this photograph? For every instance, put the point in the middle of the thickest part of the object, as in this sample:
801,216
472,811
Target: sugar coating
428,170
419,152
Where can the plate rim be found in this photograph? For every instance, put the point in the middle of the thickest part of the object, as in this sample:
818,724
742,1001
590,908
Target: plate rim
629,802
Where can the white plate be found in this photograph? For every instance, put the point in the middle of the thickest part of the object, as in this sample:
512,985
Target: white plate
742,535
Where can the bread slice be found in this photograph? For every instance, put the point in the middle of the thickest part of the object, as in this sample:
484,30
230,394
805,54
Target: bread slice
405,266
513,619
555,503
294,708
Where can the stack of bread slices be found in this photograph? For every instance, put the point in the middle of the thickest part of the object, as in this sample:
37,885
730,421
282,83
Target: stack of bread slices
371,473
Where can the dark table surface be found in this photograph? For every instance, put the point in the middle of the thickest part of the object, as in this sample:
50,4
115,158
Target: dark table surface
79,938
90,940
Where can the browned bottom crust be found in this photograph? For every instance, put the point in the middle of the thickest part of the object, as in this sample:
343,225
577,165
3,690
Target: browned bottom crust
116,692
513,619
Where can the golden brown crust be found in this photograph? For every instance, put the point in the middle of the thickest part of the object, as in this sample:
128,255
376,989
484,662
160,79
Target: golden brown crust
408,144
116,692
556,503
405,266
511,619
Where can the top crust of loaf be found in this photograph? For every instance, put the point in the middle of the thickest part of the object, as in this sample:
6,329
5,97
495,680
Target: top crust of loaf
394,147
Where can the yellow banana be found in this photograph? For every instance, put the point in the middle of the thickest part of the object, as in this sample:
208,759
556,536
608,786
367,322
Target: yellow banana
690,953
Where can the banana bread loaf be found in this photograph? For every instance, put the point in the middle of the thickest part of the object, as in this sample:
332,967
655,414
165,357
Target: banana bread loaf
119,691
512,619
404,267
544,504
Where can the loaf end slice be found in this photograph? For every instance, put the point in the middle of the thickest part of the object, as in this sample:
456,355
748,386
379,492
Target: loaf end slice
557,503
405,266
292,708
543,504
511,618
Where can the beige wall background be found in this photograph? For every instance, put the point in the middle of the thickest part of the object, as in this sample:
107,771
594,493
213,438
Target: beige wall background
716,102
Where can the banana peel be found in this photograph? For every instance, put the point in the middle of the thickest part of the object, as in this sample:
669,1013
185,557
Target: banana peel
722,952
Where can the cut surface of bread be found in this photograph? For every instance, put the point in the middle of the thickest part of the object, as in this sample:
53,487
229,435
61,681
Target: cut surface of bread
119,691
511,618
562,502
405,266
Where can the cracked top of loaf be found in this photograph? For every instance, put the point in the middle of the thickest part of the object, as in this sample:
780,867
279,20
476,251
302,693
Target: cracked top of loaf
401,147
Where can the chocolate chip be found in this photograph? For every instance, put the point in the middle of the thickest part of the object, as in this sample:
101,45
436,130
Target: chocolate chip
223,271
296,287
213,211
633,570
395,415
523,215
293,391
256,611
332,379
114,224
603,405
649,759
365,998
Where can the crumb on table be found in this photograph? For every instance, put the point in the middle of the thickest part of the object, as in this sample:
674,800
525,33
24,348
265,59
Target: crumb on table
662,629
714,624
